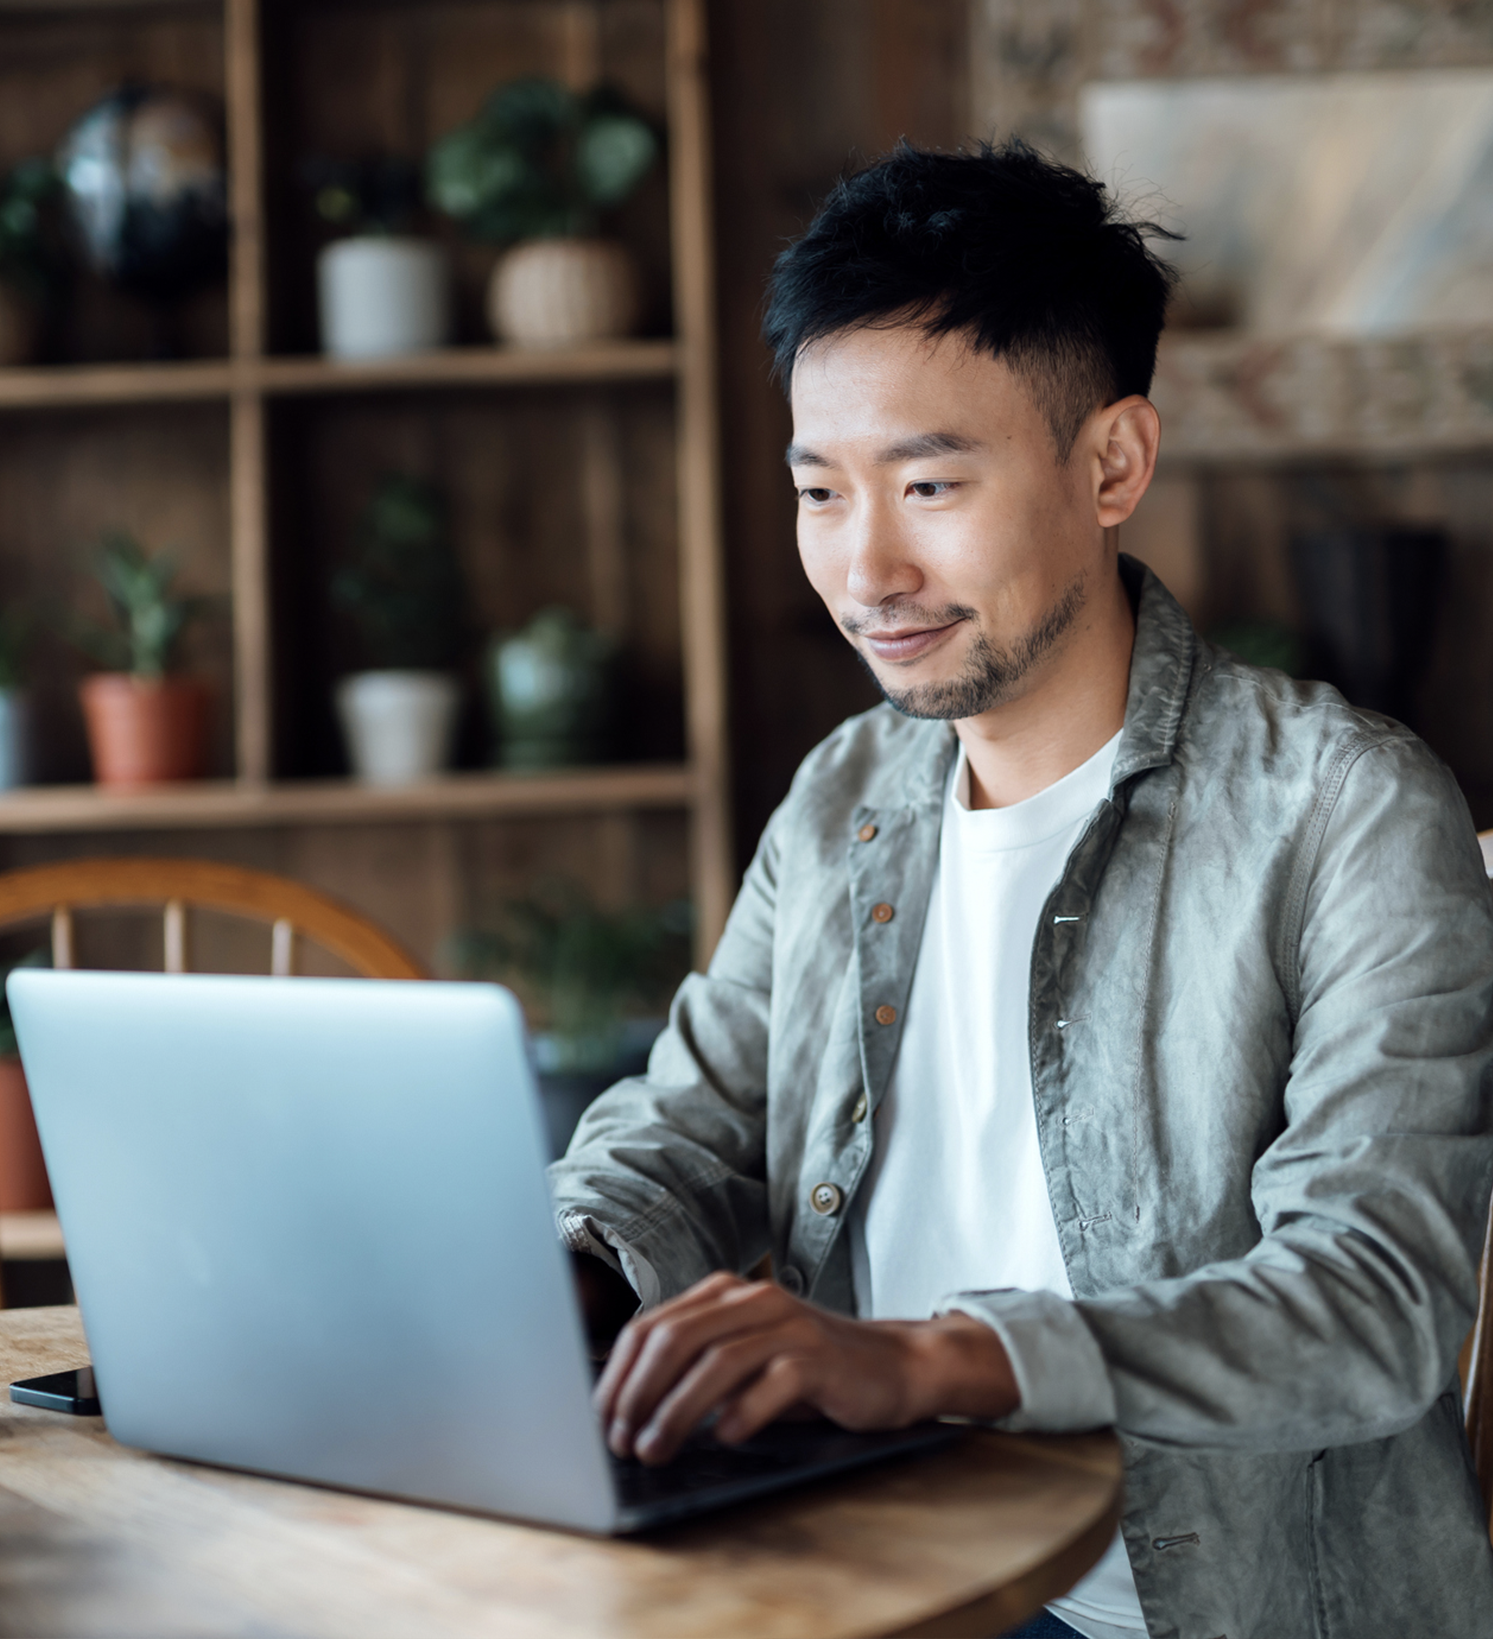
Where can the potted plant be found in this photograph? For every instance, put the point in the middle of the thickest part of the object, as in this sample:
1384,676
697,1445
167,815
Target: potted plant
29,269
144,724
401,590
553,689
23,1172
595,986
380,289
535,169
15,700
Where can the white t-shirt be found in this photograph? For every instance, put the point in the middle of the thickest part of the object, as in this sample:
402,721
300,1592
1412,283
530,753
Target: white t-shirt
955,1199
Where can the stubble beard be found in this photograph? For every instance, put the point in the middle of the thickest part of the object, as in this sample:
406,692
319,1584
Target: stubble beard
990,674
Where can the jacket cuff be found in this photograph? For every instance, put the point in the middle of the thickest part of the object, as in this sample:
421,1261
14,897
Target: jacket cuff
579,1232
1060,1373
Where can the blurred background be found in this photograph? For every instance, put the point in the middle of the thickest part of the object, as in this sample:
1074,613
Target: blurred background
391,484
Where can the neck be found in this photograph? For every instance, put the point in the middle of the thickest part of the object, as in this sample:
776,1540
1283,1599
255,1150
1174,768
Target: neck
1073,705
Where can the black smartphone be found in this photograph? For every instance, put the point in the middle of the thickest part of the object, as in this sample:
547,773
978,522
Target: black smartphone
71,1391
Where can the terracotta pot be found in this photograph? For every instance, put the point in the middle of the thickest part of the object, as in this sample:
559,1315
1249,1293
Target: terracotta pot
144,731
557,292
23,1173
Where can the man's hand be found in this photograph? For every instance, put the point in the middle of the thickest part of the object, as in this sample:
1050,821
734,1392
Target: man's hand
751,1352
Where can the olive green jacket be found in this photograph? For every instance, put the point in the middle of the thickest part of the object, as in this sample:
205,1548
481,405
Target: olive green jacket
1261,1042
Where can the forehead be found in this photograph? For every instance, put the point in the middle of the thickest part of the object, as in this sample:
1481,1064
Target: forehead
895,384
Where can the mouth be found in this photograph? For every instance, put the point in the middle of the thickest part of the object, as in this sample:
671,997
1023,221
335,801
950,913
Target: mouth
906,643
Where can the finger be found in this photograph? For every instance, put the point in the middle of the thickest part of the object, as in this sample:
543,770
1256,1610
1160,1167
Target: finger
781,1387
720,1372
634,1335
672,1347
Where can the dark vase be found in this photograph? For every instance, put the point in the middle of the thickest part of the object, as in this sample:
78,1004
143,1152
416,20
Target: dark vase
147,193
1369,600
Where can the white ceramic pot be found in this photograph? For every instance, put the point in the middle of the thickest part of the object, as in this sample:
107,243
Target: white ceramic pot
399,725
15,738
380,296
557,292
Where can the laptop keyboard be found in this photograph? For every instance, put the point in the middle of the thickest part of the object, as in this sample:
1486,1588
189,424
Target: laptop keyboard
702,1465
708,1472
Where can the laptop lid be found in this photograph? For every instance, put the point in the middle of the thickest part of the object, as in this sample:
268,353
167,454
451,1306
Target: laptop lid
310,1234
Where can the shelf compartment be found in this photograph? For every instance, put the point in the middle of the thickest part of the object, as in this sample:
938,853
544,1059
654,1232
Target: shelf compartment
221,804
71,385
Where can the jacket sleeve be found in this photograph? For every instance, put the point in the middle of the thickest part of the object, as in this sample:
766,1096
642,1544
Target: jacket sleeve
1343,1322
666,1174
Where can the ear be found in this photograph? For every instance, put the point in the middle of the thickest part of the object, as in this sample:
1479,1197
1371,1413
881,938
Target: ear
1126,438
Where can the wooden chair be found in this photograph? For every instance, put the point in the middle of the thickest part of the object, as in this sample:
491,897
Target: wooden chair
292,910
1477,1355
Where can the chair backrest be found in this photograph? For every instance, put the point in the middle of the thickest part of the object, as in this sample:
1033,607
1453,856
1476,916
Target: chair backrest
1477,1357
292,910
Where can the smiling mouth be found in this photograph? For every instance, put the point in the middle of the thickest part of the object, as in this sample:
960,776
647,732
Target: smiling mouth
907,642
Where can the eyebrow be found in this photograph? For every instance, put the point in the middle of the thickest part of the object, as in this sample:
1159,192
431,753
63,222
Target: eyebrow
907,449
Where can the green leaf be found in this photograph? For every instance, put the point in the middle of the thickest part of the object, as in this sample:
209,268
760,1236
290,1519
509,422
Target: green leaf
532,111
538,162
467,172
612,156
148,616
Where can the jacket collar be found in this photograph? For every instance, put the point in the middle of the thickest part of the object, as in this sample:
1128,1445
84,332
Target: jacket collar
1160,672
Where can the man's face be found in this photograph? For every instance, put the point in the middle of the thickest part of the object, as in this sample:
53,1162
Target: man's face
934,519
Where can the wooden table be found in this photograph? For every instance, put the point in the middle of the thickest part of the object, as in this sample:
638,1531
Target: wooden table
97,1540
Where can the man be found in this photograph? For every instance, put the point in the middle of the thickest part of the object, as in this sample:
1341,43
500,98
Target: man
1103,1024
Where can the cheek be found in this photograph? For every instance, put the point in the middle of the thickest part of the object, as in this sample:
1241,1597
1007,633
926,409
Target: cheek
821,560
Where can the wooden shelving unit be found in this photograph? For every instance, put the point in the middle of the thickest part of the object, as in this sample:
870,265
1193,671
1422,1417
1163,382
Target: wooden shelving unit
266,376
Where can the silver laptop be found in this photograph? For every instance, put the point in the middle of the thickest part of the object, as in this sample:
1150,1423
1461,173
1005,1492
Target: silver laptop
309,1229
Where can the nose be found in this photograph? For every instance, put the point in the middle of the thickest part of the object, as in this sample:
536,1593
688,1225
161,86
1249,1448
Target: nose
881,565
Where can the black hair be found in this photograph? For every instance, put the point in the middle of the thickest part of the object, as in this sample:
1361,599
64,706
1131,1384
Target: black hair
1031,259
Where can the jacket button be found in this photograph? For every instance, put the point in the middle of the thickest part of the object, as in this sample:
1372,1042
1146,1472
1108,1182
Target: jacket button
882,913
858,1110
791,1280
886,1015
866,832
825,1199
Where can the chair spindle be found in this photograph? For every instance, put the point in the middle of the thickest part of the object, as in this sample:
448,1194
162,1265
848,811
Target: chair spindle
62,937
282,949
176,936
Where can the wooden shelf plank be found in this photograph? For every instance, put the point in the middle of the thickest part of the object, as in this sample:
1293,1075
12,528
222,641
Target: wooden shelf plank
66,385
215,804
473,367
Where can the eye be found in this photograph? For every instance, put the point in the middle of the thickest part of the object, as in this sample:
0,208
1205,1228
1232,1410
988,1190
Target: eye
931,489
815,497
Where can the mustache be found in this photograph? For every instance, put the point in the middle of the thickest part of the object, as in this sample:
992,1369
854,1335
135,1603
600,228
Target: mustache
901,615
